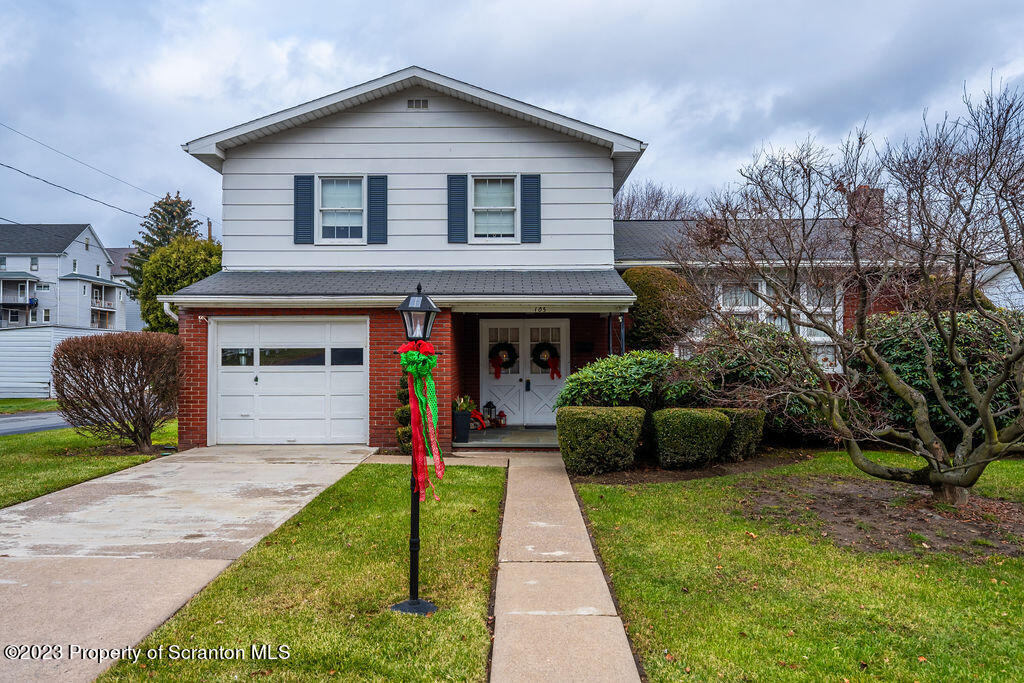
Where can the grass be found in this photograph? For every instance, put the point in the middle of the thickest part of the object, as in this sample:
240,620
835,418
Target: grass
710,595
41,462
26,405
323,582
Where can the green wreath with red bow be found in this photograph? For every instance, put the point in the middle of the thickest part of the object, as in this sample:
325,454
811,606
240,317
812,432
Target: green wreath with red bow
419,360
545,355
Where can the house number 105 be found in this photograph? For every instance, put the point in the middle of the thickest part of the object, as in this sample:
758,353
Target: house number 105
540,309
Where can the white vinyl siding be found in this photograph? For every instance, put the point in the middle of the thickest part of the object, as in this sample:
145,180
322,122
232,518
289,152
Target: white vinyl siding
416,150
25,357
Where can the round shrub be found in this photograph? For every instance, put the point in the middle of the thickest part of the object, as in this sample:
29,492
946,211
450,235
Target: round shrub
595,440
746,426
121,386
404,436
638,378
662,304
403,415
687,437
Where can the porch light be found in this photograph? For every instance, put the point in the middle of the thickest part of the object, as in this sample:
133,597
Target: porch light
418,313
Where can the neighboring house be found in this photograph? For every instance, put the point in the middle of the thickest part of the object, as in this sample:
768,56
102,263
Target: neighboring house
1003,288
336,209
55,283
119,273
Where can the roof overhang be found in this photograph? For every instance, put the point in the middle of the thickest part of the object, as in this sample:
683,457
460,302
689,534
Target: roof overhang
458,303
211,149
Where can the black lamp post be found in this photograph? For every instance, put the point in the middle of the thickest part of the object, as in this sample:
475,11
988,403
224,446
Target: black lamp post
418,313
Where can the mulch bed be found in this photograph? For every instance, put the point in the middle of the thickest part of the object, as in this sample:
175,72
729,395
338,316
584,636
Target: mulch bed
649,474
876,515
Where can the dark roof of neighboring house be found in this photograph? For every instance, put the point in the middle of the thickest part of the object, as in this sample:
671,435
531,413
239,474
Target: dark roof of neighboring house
119,255
91,278
39,238
646,240
17,275
401,282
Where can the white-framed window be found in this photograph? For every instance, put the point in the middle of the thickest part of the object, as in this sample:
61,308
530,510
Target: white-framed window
120,295
97,270
33,263
342,214
3,263
74,265
42,287
15,315
739,299
494,206
46,315
85,290
33,316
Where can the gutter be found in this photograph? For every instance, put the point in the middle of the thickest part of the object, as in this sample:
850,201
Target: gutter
170,314
616,301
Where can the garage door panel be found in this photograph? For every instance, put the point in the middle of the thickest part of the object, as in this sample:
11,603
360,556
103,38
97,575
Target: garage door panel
292,403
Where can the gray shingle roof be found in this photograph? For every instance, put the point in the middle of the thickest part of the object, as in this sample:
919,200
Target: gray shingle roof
38,238
17,275
119,255
646,240
91,278
401,282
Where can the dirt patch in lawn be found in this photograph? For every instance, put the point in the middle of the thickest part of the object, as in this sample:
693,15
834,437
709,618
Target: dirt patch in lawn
647,474
875,515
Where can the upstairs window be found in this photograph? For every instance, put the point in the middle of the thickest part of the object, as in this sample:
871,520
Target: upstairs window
33,263
74,265
3,263
97,270
87,244
341,209
494,207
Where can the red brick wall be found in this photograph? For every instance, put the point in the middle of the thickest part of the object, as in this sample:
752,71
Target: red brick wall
878,305
583,327
386,335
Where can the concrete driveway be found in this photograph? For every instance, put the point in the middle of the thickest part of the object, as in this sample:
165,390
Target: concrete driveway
23,423
103,563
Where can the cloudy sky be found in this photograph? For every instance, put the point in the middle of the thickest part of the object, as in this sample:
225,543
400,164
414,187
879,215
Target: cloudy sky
120,85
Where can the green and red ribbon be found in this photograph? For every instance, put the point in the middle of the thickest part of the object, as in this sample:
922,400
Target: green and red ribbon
419,360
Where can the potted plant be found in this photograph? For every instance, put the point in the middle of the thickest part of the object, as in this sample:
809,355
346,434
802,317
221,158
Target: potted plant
461,409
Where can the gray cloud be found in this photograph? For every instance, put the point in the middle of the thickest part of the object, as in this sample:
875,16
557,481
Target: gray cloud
122,86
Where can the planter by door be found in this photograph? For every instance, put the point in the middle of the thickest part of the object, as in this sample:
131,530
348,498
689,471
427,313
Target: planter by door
460,422
526,392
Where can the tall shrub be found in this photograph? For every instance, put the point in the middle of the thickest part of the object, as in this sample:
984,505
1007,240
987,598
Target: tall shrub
120,386
662,307
182,262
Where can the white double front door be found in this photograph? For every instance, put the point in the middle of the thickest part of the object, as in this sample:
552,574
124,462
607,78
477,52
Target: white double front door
526,391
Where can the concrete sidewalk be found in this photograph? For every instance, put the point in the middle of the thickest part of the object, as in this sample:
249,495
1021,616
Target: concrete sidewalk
554,615
103,563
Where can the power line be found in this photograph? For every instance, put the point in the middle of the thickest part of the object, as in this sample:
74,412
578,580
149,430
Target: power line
90,166
68,189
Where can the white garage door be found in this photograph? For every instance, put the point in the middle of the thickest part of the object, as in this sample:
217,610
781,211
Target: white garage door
292,382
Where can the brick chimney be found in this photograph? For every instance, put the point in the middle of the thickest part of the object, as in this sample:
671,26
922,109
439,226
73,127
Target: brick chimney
866,204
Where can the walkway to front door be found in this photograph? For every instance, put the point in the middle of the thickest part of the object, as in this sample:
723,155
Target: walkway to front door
526,391
103,563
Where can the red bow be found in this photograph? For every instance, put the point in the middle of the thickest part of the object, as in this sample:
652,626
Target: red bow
553,366
496,365
424,347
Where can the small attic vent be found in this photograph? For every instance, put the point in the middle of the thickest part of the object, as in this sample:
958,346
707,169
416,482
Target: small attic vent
416,104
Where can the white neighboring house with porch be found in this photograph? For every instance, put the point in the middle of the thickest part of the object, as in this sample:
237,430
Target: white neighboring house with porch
55,283
334,210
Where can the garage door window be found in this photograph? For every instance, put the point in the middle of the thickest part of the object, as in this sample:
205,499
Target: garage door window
347,356
291,357
236,357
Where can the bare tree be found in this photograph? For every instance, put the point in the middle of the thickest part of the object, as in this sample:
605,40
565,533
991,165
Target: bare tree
816,242
653,201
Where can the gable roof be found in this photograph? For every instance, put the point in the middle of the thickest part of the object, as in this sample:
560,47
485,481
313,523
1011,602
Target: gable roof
39,238
624,150
119,259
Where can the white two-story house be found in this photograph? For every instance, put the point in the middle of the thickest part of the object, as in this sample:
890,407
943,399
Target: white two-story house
335,210
55,283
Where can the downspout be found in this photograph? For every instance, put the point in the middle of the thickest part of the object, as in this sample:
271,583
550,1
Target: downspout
170,314
622,335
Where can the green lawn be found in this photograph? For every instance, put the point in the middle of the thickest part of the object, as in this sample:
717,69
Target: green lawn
23,405
322,584
41,462
708,594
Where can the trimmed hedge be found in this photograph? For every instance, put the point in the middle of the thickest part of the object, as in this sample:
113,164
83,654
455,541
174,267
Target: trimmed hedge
685,437
746,427
404,436
595,440
638,378
403,415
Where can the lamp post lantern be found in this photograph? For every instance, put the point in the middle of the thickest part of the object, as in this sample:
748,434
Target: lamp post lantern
418,312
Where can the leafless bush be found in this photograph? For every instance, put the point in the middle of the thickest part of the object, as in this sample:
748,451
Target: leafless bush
121,386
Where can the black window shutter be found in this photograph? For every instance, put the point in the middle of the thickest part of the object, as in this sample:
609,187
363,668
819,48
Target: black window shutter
377,209
304,210
458,208
529,203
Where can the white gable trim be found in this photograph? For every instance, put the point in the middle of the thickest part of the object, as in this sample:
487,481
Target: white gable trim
624,150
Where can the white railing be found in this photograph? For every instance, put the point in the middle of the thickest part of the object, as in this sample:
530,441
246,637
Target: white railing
100,303
15,299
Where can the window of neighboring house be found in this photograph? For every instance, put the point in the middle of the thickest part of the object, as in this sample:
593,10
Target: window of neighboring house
46,315
42,287
87,244
494,207
74,265
33,263
3,263
33,316
85,290
739,295
97,270
341,210
15,315
120,294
